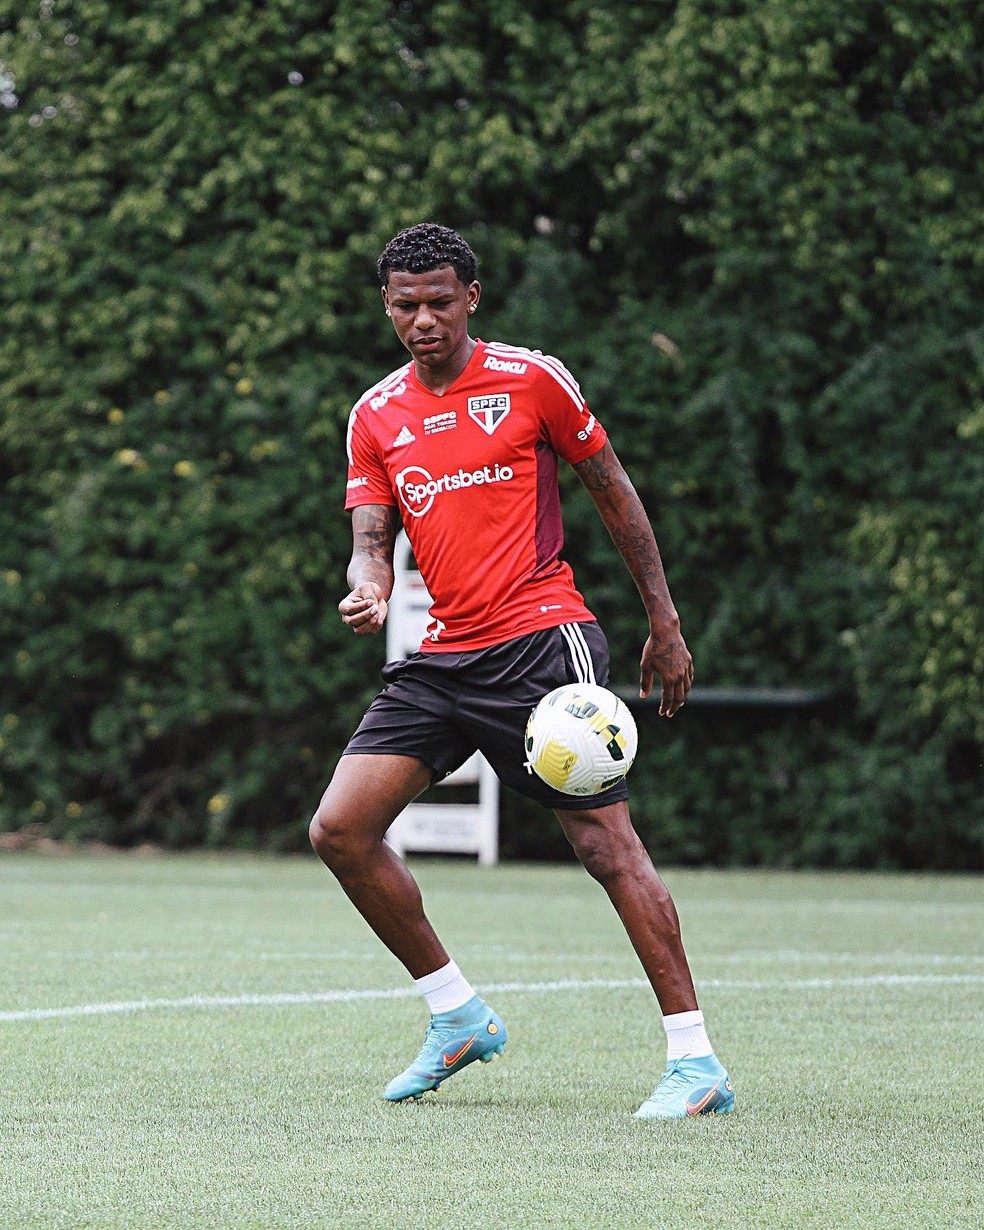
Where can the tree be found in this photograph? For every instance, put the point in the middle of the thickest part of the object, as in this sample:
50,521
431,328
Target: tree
750,228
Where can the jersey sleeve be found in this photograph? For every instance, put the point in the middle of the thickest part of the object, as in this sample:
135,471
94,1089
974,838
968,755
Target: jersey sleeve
568,425
367,482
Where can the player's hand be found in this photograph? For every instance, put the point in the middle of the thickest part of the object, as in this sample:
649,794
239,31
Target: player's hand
669,658
364,609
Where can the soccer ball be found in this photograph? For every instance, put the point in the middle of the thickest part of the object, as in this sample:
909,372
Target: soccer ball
581,739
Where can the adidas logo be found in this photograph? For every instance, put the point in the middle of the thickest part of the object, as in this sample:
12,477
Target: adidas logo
406,436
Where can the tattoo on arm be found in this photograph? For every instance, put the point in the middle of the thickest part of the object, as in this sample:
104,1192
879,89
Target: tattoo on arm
374,529
597,473
627,523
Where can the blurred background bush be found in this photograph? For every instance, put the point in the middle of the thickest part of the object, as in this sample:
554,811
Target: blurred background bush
752,229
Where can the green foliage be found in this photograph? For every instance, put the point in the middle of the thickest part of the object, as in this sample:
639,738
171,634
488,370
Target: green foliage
751,229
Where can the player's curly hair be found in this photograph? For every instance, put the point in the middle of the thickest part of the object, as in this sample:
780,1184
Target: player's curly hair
424,247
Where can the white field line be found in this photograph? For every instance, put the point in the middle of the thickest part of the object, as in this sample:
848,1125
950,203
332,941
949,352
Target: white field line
767,956
111,1008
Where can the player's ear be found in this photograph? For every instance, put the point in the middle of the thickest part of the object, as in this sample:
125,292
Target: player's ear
473,293
383,292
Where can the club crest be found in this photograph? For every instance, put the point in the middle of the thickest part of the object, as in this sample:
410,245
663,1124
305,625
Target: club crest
488,412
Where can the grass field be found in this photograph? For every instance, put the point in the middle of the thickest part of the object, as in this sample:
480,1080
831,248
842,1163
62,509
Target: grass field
196,1042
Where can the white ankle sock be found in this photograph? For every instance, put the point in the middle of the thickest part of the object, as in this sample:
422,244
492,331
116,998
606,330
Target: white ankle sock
445,989
686,1035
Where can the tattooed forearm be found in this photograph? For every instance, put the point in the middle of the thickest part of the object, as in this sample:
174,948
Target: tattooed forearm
630,530
598,474
637,547
633,536
374,528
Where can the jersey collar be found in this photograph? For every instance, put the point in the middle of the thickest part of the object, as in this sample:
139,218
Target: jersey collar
476,361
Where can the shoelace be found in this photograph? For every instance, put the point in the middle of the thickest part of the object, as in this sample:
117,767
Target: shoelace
436,1037
438,1033
672,1081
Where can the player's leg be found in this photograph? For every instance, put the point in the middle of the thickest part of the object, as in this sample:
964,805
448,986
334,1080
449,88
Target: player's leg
365,795
609,848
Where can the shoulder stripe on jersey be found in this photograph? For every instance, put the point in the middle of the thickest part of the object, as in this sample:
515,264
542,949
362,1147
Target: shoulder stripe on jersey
348,434
389,381
392,379
546,363
579,651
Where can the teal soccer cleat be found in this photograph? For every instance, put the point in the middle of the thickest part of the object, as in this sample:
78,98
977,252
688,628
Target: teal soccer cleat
453,1040
690,1087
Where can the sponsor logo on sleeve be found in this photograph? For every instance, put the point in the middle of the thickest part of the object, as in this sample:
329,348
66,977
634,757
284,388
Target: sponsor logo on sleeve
353,483
588,428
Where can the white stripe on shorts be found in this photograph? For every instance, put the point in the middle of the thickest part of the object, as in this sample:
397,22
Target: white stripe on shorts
580,653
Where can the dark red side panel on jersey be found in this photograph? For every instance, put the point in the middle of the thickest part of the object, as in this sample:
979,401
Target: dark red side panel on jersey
549,524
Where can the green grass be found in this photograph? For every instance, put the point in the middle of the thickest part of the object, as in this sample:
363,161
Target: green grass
847,1007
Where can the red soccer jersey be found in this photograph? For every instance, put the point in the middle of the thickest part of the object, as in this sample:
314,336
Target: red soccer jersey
474,475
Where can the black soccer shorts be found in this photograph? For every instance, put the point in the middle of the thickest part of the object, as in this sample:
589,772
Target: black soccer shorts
441,707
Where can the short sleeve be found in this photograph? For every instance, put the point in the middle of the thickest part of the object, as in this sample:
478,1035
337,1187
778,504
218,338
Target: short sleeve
570,428
367,482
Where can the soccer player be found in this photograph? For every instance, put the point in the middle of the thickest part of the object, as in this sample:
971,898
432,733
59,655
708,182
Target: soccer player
462,443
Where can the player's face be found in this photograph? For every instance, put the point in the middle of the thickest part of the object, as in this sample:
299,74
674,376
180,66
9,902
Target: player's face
430,315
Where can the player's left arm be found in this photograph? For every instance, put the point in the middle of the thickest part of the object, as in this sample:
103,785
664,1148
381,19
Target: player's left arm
665,653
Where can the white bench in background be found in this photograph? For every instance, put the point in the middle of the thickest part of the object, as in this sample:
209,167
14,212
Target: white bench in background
437,827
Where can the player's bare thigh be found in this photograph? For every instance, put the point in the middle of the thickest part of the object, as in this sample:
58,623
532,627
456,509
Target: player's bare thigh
603,838
366,794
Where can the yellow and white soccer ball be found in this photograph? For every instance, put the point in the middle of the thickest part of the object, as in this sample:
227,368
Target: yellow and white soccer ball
581,739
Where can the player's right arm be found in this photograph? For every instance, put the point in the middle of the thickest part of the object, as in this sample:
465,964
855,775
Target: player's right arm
370,570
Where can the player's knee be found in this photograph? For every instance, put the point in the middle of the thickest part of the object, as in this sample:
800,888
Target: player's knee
318,834
331,838
607,854
599,854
